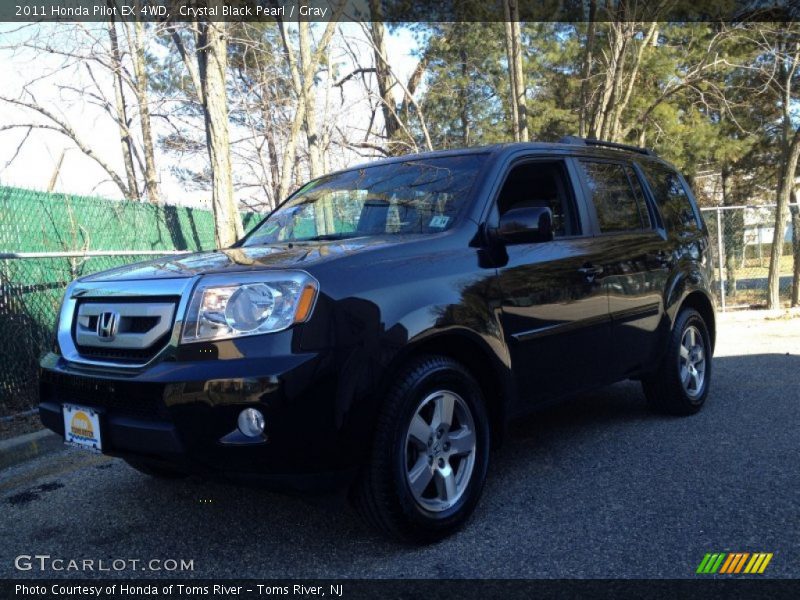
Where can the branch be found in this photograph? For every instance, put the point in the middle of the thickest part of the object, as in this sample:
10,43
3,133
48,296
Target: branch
358,71
19,146
64,128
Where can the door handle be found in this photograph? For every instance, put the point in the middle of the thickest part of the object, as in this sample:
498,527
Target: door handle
590,271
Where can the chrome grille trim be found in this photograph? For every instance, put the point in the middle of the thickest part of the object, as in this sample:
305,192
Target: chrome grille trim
125,316
111,293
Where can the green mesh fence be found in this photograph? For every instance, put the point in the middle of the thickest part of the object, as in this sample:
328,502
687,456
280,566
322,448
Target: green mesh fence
31,288
32,221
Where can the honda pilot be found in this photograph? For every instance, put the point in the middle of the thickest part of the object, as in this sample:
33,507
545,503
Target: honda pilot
381,327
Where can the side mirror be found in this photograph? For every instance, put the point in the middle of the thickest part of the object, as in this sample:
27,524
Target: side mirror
526,225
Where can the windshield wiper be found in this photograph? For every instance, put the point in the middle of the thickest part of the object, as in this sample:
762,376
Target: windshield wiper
327,237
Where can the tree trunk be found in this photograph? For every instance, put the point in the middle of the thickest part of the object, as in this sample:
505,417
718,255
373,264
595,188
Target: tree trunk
512,72
322,211
795,253
288,166
623,34
140,72
122,113
785,189
299,83
212,63
621,105
56,171
272,152
731,234
308,69
513,43
384,77
586,71
618,41
519,76
464,93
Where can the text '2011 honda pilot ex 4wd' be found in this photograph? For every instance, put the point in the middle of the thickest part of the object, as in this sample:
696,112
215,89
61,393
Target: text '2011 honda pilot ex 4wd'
381,327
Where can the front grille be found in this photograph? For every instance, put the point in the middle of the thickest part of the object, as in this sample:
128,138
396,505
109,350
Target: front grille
123,355
137,323
124,398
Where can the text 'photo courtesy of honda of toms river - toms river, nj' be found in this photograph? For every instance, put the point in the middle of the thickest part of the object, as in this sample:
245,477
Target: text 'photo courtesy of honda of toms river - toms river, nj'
381,327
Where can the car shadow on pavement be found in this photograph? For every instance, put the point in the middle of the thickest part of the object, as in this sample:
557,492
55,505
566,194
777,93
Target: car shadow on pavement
585,423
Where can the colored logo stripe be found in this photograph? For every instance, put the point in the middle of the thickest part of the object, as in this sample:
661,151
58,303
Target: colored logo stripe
734,562
710,563
758,563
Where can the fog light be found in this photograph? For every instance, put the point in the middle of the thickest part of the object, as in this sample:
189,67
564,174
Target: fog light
251,422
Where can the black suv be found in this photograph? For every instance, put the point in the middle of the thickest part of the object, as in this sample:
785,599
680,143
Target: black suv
382,326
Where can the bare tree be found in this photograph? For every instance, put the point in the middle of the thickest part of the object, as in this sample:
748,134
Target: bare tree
302,76
781,57
126,142
383,73
408,95
54,122
140,84
206,64
586,69
101,59
513,42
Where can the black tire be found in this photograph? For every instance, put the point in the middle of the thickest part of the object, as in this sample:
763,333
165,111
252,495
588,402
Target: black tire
664,389
382,494
154,469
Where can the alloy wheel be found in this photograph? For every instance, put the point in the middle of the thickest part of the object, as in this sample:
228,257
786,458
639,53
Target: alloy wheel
440,450
692,361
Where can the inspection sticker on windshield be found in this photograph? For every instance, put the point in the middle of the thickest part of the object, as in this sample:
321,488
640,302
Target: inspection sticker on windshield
82,427
439,222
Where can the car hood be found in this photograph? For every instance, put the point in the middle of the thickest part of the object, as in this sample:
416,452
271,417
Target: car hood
298,255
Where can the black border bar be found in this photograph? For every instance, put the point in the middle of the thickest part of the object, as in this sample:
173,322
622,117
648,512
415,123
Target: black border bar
398,11
701,588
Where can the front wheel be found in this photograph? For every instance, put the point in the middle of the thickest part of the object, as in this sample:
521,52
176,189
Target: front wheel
681,384
430,453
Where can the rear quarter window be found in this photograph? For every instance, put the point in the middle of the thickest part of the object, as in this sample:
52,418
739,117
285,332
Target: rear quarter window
616,204
671,198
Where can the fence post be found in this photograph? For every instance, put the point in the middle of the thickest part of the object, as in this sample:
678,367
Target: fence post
719,260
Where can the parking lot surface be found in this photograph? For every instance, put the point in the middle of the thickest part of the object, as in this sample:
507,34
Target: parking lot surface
599,487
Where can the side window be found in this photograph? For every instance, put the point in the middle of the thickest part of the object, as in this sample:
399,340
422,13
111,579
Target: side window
542,183
639,193
616,204
671,197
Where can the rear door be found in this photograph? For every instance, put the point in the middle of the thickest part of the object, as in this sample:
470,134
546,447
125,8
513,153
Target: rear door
635,260
554,309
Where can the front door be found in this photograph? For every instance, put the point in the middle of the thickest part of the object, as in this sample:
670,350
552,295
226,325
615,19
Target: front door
554,303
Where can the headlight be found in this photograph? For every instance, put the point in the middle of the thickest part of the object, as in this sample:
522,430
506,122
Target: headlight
230,306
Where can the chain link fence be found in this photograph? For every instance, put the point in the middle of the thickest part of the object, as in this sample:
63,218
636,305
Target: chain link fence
741,240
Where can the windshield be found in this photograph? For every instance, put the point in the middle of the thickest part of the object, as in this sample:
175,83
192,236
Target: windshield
414,196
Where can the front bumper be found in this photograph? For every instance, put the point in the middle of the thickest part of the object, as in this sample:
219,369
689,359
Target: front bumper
185,413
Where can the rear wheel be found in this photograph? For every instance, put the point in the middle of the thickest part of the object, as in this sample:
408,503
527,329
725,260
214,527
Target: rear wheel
155,469
430,453
681,384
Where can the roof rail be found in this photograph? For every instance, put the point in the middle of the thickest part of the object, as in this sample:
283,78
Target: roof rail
573,139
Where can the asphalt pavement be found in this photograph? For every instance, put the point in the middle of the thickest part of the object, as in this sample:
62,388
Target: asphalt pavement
599,487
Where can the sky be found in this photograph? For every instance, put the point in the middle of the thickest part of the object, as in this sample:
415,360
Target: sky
37,158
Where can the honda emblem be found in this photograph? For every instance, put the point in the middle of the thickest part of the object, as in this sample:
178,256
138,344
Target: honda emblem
107,325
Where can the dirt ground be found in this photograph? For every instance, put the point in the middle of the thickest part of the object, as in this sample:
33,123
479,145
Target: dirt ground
19,426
